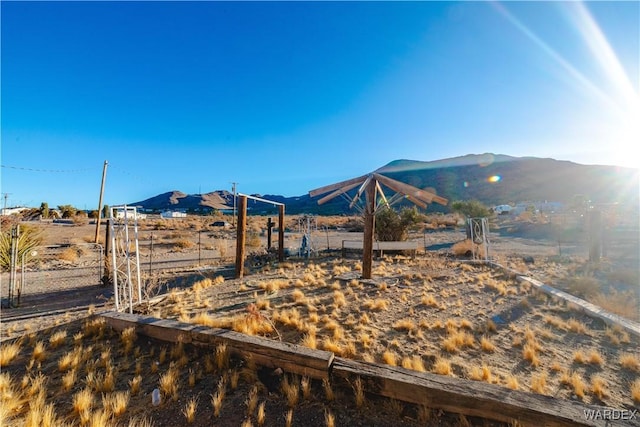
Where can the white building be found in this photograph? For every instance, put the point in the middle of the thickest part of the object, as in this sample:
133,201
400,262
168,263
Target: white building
173,214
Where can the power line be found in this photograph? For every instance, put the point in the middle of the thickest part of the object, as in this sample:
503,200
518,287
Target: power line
48,170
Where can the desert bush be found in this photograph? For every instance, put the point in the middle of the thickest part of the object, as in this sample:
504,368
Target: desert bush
471,208
183,243
583,286
623,303
394,226
253,240
70,255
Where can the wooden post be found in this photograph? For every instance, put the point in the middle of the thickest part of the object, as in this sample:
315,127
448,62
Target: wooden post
281,233
595,236
270,225
104,176
241,236
369,227
106,274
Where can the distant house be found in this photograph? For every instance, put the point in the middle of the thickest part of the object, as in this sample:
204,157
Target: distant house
120,214
173,214
11,211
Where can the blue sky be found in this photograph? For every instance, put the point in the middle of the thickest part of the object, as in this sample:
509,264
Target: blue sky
284,97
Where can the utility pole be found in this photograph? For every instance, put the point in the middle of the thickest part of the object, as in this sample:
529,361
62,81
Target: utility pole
104,177
4,210
234,203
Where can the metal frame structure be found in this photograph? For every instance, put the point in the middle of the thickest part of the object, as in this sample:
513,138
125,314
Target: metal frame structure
479,228
125,263
306,225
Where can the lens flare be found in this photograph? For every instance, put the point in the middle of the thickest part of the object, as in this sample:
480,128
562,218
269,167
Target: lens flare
494,178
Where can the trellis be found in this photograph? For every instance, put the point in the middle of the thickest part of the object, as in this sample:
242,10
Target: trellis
371,186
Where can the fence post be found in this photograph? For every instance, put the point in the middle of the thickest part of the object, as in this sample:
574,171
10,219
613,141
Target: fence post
281,233
241,236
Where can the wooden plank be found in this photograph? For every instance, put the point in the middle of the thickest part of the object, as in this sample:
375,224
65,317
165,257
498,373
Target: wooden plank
162,329
360,190
385,246
264,352
382,196
338,192
273,354
473,398
410,190
333,187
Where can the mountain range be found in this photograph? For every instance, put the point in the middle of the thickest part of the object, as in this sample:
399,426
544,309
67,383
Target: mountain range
492,179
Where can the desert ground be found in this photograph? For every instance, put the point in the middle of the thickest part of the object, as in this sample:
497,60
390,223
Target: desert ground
437,312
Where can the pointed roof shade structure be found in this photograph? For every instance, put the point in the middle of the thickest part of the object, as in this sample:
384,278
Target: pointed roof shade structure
371,185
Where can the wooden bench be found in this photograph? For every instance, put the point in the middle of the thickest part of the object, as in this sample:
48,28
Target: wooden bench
380,247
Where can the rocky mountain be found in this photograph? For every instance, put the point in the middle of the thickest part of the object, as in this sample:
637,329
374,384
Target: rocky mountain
490,178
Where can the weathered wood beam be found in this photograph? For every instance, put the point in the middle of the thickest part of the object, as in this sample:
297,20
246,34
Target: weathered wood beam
263,351
333,187
369,230
417,202
410,190
472,398
382,196
360,190
338,192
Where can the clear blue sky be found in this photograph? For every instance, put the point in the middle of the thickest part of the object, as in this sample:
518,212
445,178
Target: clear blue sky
284,97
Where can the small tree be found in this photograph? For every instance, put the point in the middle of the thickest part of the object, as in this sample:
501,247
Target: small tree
394,226
471,208
44,210
105,211
67,211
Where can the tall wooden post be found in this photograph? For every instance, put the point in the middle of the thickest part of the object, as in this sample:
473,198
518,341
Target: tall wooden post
104,176
281,233
241,236
106,273
369,227
270,225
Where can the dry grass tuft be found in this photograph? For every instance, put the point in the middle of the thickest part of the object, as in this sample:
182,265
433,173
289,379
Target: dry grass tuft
8,352
57,339
630,361
389,358
599,387
487,345
481,374
442,367
539,383
291,391
635,390
189,410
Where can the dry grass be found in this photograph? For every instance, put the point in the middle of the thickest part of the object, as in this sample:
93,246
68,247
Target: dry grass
539,383
189,410
630,361
635,390
599,387
8,352
442,367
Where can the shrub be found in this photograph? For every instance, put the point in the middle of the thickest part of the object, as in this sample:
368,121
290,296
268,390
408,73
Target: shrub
394,226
